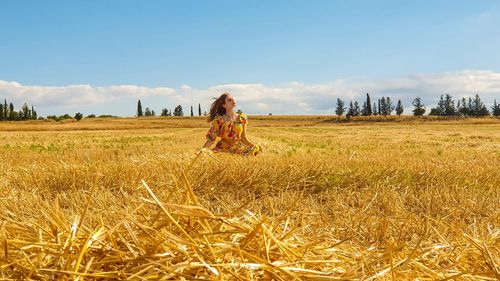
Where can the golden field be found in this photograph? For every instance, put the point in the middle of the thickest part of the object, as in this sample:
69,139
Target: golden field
127,198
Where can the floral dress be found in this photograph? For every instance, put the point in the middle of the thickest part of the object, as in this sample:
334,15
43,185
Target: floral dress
230,136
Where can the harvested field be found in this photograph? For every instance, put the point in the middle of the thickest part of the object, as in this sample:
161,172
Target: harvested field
129,198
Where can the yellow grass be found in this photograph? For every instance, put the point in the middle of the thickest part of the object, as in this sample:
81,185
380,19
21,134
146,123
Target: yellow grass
113,199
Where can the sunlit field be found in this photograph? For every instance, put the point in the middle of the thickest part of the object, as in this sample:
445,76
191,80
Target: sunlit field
404,199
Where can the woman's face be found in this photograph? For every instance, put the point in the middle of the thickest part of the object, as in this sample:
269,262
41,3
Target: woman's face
229,104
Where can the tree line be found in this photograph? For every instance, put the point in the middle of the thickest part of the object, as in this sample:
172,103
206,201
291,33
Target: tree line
8,113
384,106
471,107
178,111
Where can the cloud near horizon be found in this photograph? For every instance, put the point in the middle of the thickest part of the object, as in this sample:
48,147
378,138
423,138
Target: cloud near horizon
289,98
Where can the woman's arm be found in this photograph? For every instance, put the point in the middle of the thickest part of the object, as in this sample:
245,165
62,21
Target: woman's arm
212,133
244,137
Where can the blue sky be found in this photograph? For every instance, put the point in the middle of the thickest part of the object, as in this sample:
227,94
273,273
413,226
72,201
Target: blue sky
266,52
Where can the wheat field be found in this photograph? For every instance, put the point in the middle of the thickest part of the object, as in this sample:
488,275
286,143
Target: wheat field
404,199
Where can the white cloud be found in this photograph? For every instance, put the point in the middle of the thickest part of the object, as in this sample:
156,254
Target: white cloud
290,98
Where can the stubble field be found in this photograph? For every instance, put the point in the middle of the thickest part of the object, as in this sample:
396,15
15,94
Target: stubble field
129,199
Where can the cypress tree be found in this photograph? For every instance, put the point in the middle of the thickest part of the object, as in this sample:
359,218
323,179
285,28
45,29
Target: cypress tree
139,109
199,110
192,114
374,109
12,113
5,110
399,108
368,105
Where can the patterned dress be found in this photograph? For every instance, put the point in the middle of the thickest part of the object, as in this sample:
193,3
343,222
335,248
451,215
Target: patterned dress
230,136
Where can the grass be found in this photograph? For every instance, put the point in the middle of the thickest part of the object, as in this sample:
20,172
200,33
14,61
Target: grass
113,198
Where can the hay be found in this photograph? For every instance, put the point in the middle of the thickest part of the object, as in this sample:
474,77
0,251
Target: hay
188,242
371,221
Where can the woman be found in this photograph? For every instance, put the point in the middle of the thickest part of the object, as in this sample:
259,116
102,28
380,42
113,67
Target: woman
230,127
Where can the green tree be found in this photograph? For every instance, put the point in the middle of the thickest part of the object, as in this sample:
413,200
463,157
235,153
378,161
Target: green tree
364,109
389,106
192,114
139,109
449,106
339,109
78,116
356,110
462,107
199,109
5,110
374,109
399,108
419,107
12,112
368,105
178,111
350,111
385,106
147,112
381,106
495,110
24,112
445,107
440,109
478,107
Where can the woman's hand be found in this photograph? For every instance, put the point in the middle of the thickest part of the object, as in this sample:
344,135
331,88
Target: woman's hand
208,144
260,148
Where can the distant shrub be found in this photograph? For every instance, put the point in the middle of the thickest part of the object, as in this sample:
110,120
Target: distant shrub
78,116
59,118
91,116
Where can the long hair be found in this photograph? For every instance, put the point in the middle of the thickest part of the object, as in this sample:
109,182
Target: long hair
216,108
